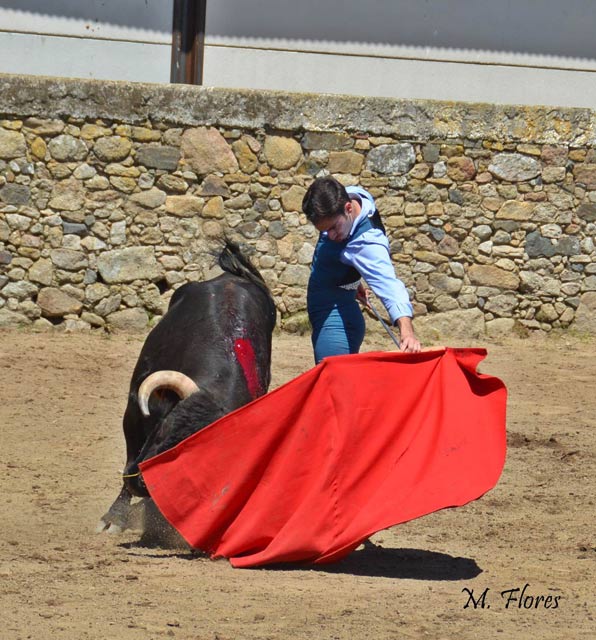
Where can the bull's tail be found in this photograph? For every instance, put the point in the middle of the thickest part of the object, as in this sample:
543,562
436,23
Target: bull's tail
232,260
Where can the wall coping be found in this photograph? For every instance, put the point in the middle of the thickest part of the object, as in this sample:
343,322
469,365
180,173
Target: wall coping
186,105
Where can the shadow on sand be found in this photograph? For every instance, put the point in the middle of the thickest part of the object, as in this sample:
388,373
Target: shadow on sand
371,560
404,564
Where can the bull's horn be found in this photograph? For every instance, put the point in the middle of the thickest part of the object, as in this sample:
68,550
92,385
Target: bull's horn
165,379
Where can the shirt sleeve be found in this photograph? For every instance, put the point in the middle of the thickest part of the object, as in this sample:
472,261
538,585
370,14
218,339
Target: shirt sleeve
369,255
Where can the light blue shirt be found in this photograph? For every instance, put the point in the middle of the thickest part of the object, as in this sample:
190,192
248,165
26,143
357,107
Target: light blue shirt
369,254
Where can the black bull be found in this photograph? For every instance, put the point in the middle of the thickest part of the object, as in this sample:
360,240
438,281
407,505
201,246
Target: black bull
209,355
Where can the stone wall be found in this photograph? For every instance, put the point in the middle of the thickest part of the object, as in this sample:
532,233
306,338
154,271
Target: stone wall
112,195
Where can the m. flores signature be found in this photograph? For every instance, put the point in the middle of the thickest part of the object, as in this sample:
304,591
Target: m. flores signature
515,597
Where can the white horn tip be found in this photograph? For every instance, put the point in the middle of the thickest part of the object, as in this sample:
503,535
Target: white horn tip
144,405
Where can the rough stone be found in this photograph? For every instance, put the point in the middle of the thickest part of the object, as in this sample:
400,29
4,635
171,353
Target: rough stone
66,148
150,199
206,151
314,140
547,313
69,259
145,134
443,282
184,206
42,271
516,210
126,185
430,153
128,264
118,232
129,320
172,184
448,246
93,131
214,208
444,302
553,174
553,155
68,195
537,246
11,319
250,230
108,305
247,160
97,183
395,159
587,212
92,319
568,246
158,157
39,148
500,327
277,229
45,126
345,162
585,174
295,275
461,169
151,299
430,257
514,167
112,148
243,201
12,144
282,152
502,304
291,199
17,221
55,303
214,186
482,232
491,276
15,194
461,324
75,228
19,290
212,229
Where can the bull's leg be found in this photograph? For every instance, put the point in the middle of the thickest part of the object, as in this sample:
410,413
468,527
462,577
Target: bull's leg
120,515
116,519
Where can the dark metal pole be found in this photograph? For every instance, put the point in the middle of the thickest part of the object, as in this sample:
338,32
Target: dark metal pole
188,41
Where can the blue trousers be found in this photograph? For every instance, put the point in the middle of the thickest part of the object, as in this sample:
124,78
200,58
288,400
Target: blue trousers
337,331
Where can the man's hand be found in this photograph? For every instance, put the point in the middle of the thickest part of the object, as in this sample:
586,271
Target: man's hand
408,340
362,294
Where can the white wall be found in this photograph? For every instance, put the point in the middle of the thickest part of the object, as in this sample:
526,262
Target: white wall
502,51
104,39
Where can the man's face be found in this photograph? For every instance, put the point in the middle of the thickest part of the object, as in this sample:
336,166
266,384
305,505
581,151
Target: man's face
337,228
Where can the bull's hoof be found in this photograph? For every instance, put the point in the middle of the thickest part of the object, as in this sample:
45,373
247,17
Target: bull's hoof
112,523
102,525
108,526
114,528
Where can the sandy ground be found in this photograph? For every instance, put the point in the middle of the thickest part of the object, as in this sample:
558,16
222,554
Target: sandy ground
62,398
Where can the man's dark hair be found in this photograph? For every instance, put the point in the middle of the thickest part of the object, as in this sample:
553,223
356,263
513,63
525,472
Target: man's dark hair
325,198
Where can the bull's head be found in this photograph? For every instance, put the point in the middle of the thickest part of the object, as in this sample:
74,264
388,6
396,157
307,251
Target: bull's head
197,409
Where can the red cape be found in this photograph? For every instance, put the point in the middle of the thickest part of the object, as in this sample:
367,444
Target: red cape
357,444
